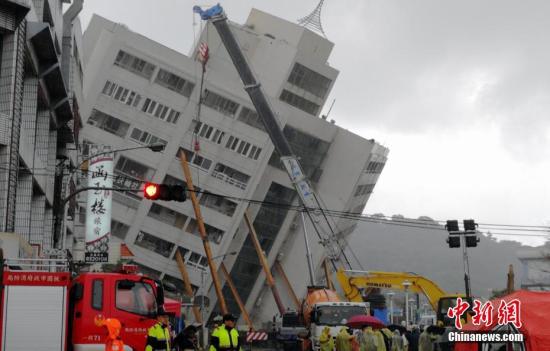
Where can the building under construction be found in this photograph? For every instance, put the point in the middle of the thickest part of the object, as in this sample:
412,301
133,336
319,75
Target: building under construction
140,92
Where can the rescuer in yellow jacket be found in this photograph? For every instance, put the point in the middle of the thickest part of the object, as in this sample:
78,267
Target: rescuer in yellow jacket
226,337
158,336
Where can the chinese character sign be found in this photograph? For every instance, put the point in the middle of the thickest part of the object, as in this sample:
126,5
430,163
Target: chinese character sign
98,211
488,313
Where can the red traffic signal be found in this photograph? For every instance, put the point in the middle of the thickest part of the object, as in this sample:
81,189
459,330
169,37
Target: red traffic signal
153,191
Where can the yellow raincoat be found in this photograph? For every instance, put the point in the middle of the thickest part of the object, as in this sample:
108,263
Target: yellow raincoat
343,340
326,340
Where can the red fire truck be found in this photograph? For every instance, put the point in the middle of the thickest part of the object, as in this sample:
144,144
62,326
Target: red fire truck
44,306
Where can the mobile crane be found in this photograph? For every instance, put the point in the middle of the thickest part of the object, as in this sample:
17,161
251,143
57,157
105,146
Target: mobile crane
317,297
312,205
353,281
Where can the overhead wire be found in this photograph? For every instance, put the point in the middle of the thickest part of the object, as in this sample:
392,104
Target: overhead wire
515,230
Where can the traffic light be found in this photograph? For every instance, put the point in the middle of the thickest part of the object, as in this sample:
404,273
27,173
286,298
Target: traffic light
470,225
165,192
453,241
471,240
452,226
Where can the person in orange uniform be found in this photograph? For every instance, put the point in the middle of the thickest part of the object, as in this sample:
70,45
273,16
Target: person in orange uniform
114,342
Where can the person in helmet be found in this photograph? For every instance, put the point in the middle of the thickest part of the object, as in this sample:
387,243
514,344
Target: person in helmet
158,336
226,337
114,342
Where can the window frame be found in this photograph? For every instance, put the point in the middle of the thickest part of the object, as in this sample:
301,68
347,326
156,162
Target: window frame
94,294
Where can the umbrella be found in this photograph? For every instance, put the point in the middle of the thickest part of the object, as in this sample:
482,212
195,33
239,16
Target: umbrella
361,320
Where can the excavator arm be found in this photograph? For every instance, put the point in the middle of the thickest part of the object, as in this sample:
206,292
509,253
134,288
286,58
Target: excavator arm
351,284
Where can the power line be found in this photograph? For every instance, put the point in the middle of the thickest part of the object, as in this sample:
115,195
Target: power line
520,230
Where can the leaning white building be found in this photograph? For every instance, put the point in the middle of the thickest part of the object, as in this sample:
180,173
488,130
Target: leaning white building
140,92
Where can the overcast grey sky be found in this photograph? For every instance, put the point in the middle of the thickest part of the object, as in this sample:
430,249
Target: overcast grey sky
458,90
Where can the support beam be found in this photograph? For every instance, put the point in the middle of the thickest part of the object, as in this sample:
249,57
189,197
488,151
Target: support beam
187,284
202,231
264,263
235,293
289,288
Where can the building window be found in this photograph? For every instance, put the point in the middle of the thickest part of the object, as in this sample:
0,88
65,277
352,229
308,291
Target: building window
207,132
202,162
364,189
251,118
121,94
108,123
218,203
198,160
299,102
119,229
160,111
214,234
174,83
243,147
155,244
134,64
220,103
309,80
133,169
167,216
230,176
375,167
146,138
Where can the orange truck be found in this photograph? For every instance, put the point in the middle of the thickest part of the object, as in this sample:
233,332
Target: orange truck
323,308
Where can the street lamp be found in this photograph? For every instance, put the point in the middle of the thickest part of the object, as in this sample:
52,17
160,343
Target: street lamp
203,273
406,285
413,314
153,147
390,295
61,214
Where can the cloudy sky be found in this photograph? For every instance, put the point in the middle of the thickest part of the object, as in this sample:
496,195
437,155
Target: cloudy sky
458,90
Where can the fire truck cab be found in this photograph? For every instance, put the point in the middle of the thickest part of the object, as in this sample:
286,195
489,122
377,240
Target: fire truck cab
130,298
46,307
